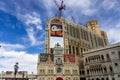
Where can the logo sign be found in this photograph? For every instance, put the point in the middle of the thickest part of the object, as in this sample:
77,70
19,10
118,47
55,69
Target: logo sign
69,58
56,30
46,57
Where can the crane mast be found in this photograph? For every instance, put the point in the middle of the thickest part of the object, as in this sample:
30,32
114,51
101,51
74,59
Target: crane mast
60,7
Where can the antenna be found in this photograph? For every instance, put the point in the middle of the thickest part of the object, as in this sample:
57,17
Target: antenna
60,7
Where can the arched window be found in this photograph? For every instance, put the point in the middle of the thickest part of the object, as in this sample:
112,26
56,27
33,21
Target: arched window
80,72
102,57
107,78
88,79
87,71
97,79
83,72
86,60
110,69
102,79
113,78
107,56
105,69
58,61
119,54
101,69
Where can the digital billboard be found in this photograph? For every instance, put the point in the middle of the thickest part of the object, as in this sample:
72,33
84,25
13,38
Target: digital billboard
46,57
56,30
56,34
69,58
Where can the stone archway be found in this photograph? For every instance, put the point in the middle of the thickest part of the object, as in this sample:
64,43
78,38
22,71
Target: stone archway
97,79
59,78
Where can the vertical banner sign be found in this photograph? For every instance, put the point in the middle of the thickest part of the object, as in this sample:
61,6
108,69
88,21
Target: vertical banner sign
56,35
46,57
69,58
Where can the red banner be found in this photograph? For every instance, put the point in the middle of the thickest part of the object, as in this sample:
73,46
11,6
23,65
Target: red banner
69,57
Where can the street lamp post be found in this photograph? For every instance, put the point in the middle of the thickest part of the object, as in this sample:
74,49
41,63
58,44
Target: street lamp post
15,70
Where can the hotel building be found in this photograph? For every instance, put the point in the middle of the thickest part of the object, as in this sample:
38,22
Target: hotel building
57,66
74,38
103,63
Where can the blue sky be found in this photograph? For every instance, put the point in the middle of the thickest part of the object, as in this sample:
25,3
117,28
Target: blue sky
22,26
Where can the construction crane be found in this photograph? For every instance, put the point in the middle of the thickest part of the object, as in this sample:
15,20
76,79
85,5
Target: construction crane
60,7
73,19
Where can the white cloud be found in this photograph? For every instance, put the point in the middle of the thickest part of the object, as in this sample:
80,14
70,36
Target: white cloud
33,19
49,6
118,25
81,6
31,35
27,62
109,4
8,46
33,27
34,38
113,31
113,35
77,6
2,7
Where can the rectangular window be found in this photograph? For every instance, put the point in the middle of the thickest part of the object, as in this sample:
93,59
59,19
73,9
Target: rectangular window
81,50
75,72
73,50
113,52
77,51
69,49
119,54
67,71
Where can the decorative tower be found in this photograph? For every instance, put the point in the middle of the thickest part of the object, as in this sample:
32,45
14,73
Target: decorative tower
94,26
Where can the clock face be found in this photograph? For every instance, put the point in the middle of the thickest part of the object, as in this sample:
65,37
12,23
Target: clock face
59,69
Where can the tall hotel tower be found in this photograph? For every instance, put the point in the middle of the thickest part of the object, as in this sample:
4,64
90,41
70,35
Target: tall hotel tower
65,42
74,38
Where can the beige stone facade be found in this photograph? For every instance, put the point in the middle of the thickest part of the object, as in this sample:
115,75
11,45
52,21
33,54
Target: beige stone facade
58,67
9,75
103,63
76,38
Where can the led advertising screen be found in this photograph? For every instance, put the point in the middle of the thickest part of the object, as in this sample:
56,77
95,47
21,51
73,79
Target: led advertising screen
56,30
56,35
46,57
69,58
